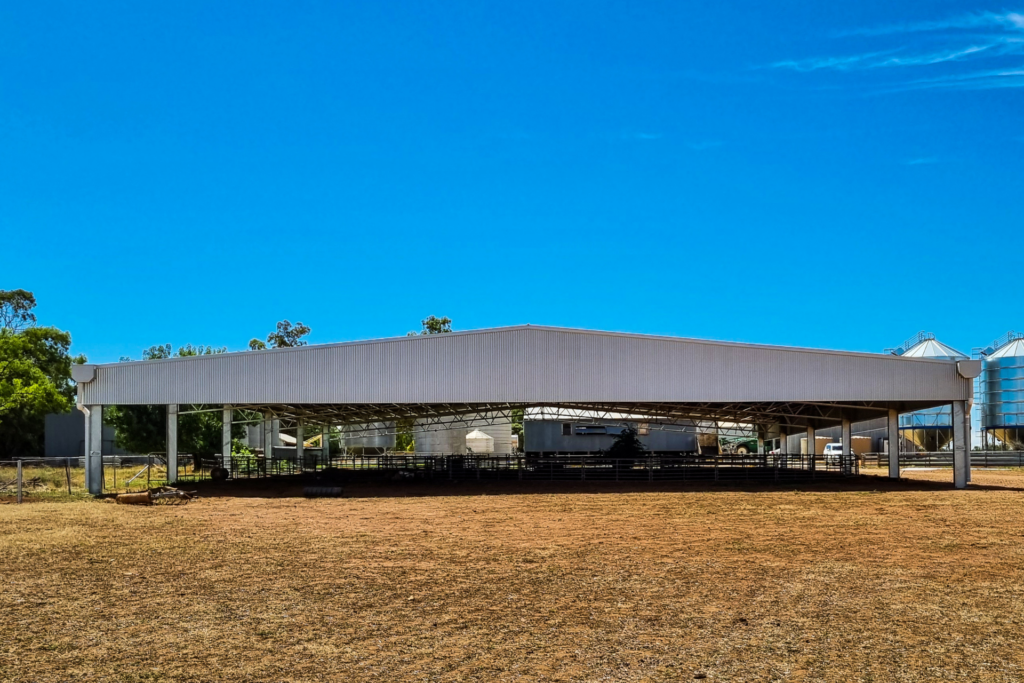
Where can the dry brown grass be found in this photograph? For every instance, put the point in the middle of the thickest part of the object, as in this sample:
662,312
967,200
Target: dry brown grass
51,480
912,582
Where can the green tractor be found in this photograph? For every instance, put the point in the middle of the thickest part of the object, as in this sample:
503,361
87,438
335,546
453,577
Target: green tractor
737,445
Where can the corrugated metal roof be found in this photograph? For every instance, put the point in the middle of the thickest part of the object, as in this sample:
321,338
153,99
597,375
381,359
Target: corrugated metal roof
526,364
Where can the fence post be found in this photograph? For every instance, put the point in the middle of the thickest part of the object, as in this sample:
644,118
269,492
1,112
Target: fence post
19,481
67,473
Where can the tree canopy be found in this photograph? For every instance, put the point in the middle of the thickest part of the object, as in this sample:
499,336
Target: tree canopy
433,325
627,444
16,309
35,375
286,336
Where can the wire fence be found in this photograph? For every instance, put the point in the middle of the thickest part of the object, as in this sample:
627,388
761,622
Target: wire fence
54,477
524,467
50,477
37,476
945,459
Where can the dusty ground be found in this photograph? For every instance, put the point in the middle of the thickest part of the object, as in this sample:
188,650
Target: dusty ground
863,582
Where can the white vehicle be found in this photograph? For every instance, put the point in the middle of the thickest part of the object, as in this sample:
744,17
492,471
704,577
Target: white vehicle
833,453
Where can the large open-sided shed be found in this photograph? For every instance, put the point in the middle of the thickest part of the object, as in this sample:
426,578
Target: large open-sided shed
462,376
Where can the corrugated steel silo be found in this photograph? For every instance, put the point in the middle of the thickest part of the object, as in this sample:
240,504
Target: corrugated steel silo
455,440
1002,393
931,429
374,437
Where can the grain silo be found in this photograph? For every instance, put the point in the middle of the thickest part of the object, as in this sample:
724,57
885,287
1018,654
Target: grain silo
1001,393
368,439
429,439
479,442
931,429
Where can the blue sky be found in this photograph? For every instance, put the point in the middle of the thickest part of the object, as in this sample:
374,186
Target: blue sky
832,175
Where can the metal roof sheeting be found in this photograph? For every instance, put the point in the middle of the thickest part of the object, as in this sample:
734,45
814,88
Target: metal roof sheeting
526,364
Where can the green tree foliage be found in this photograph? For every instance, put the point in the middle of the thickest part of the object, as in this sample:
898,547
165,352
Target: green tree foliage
286,336
142,429
35,375
138,429
189,350
517,428
16,310
404,441
433,325
627,444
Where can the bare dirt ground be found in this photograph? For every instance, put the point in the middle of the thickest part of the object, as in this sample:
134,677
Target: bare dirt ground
861,581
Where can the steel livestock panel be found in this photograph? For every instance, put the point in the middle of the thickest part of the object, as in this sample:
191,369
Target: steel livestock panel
526,365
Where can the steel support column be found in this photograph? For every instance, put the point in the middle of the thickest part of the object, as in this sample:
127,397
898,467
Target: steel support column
812,446
325,446
961,445
847,464
300,434
268,436
894,443
967,431
93,449
225,449
172,443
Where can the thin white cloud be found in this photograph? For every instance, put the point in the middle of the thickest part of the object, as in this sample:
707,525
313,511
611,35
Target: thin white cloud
893,58
983,37
940,57
921,161
841,63
976,80
978,20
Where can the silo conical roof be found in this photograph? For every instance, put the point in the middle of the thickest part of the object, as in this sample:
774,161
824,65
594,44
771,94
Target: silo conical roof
933,348
1014,348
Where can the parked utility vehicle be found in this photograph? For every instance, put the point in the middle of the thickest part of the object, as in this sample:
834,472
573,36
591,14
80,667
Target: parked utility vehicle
833,453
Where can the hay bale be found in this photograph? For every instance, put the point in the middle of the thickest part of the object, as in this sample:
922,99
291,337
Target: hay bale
135,498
